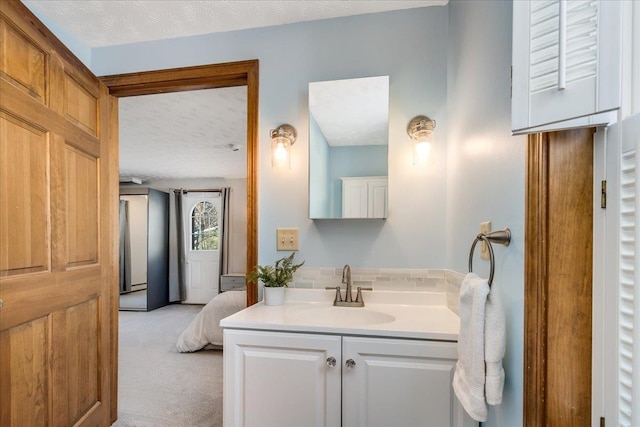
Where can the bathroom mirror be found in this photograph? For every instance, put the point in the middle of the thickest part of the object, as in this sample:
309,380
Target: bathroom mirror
348,148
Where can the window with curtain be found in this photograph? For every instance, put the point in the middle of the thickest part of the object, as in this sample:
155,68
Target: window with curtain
204,227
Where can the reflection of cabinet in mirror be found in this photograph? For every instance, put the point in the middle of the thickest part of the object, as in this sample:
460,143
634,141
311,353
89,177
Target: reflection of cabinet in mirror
364,197
144,248
348,138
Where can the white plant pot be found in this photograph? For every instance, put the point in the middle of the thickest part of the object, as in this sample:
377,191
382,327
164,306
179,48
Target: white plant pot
273,296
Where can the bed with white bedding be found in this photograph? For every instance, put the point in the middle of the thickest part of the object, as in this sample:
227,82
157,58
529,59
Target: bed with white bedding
204,330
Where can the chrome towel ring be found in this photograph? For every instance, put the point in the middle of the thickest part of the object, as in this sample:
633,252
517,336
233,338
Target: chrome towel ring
502,237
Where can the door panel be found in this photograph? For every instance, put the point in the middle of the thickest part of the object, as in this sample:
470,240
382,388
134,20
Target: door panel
23,197
57,255
23,62
81,106
28,378
81,207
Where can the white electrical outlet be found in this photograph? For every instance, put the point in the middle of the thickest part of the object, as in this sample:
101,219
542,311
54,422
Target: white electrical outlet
485,228
287,239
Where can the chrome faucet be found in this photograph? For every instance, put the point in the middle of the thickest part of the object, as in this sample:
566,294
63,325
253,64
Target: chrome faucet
348,298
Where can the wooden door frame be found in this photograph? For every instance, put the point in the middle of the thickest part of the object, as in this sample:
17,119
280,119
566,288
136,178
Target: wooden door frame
231,74
548,240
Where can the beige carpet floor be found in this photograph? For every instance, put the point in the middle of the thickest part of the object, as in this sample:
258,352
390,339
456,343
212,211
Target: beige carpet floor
159,387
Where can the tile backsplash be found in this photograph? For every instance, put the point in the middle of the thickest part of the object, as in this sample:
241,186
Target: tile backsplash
385,279
453,281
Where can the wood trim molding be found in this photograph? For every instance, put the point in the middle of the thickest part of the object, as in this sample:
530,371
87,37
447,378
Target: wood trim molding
252,179
210,77
114,199
558,279
535,294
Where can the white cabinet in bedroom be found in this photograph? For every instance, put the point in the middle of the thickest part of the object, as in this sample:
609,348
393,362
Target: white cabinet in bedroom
364,197
297,379
566,63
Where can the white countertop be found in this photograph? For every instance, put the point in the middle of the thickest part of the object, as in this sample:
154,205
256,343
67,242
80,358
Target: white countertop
419,315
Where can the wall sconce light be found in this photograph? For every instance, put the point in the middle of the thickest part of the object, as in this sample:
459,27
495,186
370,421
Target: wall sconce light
282,138
420,129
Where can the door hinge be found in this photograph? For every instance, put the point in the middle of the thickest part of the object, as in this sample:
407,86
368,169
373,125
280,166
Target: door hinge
603,195
601,421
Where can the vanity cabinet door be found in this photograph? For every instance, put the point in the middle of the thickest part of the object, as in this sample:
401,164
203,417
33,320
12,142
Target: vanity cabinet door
396,382
281,379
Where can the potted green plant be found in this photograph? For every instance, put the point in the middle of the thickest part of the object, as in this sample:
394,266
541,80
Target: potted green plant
275,278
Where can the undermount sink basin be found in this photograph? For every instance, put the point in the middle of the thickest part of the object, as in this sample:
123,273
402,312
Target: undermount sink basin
340,316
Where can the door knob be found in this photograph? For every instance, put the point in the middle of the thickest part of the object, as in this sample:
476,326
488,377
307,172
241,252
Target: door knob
331,362
350,363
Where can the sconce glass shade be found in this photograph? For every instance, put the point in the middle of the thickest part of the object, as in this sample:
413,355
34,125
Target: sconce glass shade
420,129
282,138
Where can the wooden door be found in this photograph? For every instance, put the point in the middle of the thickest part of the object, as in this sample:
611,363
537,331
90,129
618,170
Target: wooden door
58,196
558,279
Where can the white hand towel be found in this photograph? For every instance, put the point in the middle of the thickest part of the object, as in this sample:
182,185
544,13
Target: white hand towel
468,379
494,347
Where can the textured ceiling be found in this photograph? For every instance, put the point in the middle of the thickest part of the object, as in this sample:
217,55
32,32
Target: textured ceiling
113,22
352,111
189,134
184,135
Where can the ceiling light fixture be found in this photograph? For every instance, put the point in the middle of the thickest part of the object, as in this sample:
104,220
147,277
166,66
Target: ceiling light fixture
282,138
420,129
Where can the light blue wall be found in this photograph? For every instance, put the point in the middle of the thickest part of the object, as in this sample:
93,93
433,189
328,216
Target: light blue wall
410,46
450,63
486,170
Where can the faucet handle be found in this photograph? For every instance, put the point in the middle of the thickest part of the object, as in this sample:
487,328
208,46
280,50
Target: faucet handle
338,295
359,294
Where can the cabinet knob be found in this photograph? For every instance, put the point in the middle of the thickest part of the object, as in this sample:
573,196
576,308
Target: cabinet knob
331,362
350,363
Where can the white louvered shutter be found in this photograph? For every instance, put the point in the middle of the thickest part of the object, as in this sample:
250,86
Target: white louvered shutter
622,286
558,69
627,278
580,41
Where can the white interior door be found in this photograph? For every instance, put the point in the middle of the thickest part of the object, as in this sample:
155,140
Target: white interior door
202,222
616,368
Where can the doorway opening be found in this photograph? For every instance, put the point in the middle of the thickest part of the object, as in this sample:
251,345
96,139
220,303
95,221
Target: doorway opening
243,73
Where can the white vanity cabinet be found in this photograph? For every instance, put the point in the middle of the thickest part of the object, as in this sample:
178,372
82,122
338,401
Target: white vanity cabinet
281,379
297,379
399,382
566,63
364,197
